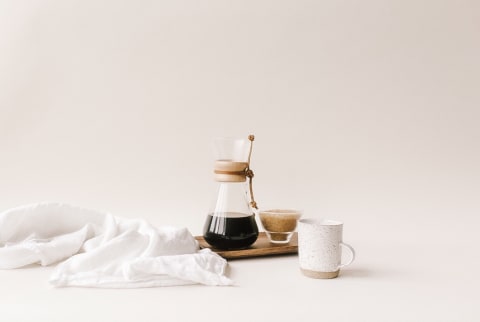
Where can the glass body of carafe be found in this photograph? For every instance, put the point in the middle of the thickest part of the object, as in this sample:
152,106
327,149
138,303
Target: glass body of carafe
231,223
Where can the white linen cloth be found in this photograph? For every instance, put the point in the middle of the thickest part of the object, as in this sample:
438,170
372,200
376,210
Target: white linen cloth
101,250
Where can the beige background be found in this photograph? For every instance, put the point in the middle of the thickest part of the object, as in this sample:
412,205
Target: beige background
364,111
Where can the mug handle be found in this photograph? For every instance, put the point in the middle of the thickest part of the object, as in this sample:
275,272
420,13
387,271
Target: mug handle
352,251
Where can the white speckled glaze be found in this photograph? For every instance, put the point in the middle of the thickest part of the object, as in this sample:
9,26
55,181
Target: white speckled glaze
320,245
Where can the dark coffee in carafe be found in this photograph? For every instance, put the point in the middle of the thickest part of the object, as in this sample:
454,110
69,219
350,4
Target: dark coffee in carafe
230,231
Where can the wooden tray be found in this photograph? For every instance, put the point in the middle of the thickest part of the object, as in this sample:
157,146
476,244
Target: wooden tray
262,247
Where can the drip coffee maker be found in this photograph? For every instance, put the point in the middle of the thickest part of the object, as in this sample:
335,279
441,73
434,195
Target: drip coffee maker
231,221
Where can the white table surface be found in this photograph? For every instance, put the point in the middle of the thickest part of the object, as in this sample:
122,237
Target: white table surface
424,271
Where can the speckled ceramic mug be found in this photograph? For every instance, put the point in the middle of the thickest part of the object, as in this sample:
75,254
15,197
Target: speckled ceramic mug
320,248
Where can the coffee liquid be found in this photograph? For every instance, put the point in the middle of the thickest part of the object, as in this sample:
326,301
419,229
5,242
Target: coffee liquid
230,231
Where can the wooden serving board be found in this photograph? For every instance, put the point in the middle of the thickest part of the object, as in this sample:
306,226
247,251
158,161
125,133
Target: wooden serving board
262,247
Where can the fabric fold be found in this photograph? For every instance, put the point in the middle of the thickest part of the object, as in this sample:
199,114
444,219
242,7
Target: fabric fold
100,250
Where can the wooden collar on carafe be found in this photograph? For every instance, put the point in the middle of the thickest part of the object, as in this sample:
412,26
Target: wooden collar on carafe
234,171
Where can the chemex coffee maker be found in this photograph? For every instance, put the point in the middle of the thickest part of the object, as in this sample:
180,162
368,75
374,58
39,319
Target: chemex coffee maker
231,221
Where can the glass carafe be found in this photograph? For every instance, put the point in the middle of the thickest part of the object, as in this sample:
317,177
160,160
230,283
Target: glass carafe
231,222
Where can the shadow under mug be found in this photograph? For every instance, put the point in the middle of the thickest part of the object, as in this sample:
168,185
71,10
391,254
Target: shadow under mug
320,248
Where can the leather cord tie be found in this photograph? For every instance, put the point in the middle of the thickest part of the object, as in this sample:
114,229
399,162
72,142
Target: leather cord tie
249,173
